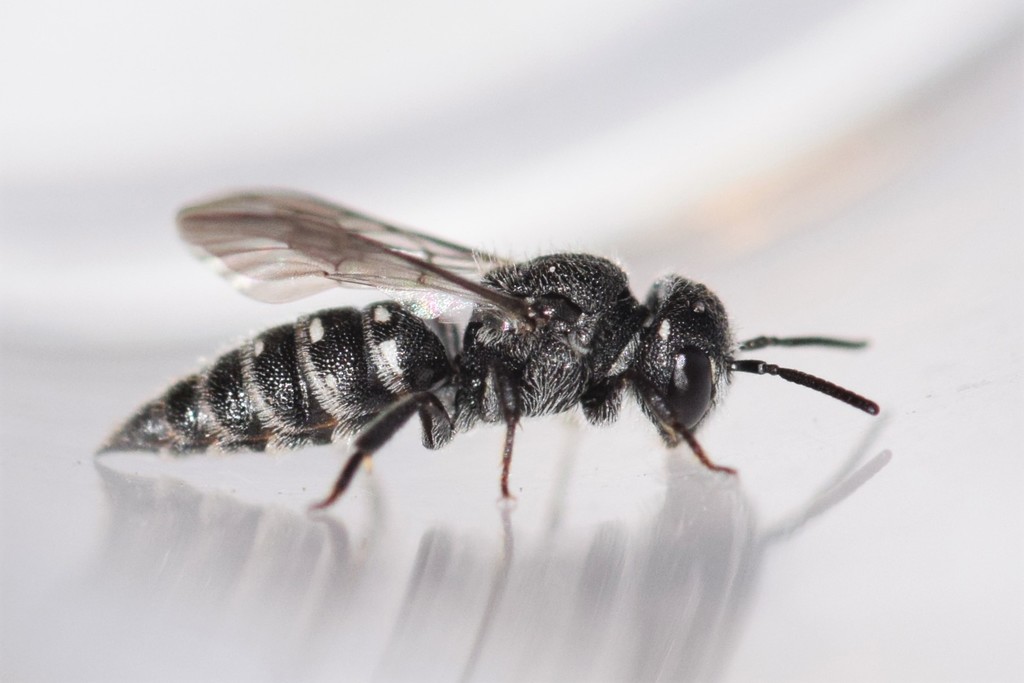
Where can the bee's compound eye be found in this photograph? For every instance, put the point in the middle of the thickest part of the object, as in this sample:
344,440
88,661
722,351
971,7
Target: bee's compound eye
689,395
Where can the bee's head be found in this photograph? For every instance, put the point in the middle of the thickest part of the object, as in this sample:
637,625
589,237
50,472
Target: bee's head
681,361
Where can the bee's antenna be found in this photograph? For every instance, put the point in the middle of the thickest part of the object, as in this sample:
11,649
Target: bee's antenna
759,367
761,342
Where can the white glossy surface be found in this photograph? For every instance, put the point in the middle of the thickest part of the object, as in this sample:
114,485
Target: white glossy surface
849,548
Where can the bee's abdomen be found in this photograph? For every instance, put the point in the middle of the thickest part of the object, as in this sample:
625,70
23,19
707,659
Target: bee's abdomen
230,405
334,357
306,383
173,422
278,392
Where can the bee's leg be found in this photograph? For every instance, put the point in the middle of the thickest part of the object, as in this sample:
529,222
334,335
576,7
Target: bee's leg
507,388
698,450
506,456
602,401
672,432
384,426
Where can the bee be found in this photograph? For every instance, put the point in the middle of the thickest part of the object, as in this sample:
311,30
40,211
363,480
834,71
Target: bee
543,336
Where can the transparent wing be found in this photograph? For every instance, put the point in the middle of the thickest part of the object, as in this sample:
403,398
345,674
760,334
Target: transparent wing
279,246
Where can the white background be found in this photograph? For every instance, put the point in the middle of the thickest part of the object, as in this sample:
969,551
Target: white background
846,168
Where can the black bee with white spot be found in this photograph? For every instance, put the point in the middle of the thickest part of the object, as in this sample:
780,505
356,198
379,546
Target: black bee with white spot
543,336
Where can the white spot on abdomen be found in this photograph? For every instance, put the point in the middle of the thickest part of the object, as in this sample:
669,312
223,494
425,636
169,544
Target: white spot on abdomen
665,330
381,315
257,348
316,330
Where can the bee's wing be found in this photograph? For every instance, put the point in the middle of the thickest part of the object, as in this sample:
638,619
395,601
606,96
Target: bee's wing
279,246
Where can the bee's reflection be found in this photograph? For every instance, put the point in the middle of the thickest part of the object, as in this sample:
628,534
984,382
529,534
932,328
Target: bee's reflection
299,597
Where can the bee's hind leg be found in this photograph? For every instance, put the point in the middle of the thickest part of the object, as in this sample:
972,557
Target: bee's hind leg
436,432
